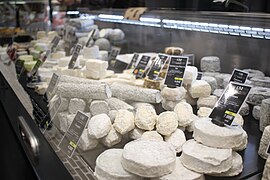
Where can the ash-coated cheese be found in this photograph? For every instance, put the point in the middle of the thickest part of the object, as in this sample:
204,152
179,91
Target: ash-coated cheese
90,52
83,91
204,112
148,158
210,64
264,142
136,133
209,101
257,94
190,75
145,117
99,107
176,139
124,121
181,173
86,142
218,92
167,123
211,135
103,44
77,80
204,159
173,94
168,105
266,171
211,81
184,112
265,114
75,105
117,104
244,110
109,167
200,88
237,166
254,73
112,138
256,112
133,93
99,126
152,136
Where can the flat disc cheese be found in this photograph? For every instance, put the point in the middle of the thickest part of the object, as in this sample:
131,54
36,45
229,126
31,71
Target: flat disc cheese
148,158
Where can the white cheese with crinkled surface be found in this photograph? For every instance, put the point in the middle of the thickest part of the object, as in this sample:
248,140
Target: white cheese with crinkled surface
176,139
181,173
87,143
148,158
151,135
136,133
204,112
167,123
112,138
112,115
200,88
124,121
99,107
145,117
99,126
244,110
257,95
264,142
168,105
75,105
109,167
190,75
265,114
209,101
210,64
117,104
204,159
211,81
256,112
184,112
173,94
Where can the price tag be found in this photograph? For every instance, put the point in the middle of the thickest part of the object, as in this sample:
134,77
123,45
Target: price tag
74,56
157,65
239,76
19,65
140,68
114,53
54,43
35,68
51,86
176,70
72,136
133,61
229,103
199,76
90,37
191,59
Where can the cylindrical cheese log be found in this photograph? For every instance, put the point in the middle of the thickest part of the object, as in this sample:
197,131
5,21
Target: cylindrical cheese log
99,107
99,126
184,112
264,142
86,143
136,133
209,101
108,166
209,134
211,81
173,94
133,93
84,91
176,139
117,104
112,138
190,75
124,121
210,64
256,111
75,105
200,88
148,158
78,80
204,159
151,135
257,94
237,166
265,114
181,173
145,117
167,123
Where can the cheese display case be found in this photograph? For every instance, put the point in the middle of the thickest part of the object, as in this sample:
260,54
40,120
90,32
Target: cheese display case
111,97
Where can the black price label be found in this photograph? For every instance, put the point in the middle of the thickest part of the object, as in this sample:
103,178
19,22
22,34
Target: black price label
114,53
90,37
72,136
229,103
19,65
133,61
157,65
140,68
239,76
51,86
35,68
176,70
199,76
74,56
54,43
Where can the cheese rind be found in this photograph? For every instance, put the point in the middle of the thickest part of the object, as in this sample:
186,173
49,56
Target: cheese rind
264,142
112,138
211,81
124,121
86,143
209,101
136,133
173,94
75,105
117,104
210,64
167,123
145,117
176,139
151,135
200,88
184,112
257,95
256,112
99,107
204,112
99,126
265,114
